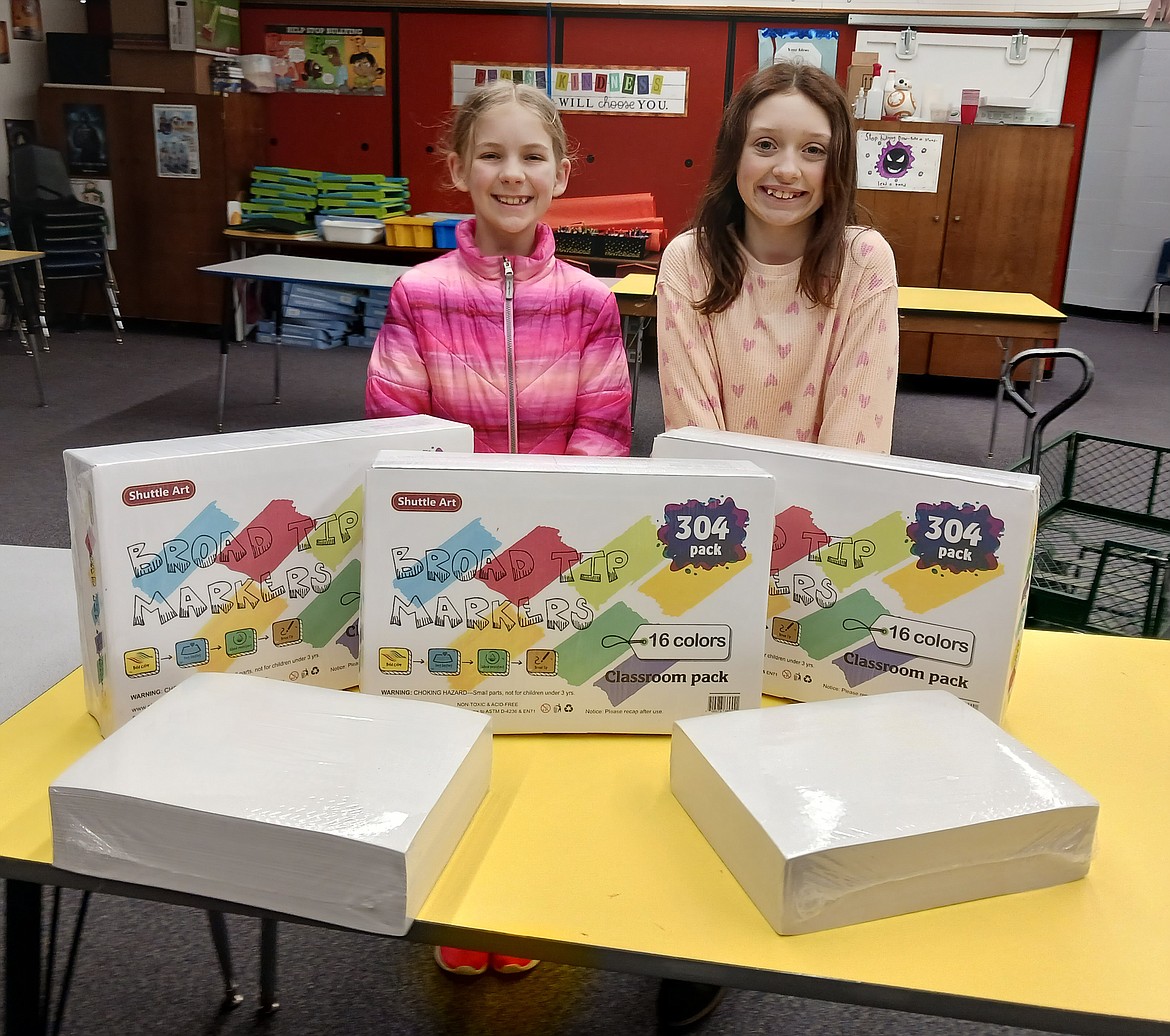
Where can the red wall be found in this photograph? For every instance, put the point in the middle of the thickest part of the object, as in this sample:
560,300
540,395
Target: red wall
617,154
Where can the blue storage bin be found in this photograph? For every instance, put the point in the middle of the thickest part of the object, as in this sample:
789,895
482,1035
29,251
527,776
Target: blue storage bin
445,233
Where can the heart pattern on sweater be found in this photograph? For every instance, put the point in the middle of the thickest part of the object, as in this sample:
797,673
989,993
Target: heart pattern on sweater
860,439
792,308
784,348
752,423
877,419
863,399
738,390
749,344
760,325
786,407
770,380
863,359
810,389
866,248
804,434
875,282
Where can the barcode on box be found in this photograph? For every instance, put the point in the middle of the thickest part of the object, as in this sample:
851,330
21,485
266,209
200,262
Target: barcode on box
723,703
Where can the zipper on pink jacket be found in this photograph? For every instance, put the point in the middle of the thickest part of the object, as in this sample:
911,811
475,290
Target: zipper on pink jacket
510,356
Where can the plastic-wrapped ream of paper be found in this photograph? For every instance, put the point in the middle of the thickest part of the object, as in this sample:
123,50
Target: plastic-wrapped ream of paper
329,805
237,553
831,813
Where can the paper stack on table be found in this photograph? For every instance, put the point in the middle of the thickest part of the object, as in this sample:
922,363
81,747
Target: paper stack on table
835,812
329,805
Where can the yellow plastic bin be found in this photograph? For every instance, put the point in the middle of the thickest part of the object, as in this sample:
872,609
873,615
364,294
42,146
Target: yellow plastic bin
410,231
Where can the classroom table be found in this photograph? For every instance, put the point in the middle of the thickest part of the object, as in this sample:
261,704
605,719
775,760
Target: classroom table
266,241
11,259
1002,315
291,269
580,854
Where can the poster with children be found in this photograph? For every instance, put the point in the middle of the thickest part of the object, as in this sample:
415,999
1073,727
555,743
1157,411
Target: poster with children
308,58
176,141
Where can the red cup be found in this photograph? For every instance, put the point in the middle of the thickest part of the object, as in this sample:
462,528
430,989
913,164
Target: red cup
967,113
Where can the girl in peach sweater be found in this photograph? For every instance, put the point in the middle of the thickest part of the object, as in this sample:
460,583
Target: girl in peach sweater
777,314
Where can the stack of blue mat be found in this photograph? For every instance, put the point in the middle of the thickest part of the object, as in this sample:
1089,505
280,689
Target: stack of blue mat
373,316
314,316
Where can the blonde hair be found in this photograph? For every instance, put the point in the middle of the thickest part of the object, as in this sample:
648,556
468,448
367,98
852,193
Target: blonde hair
461,136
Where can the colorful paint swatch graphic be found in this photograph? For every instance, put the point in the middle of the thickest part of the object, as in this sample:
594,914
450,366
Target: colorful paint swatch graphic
589,652
778,604
206,529
534,561
854,667
249,610
924,589
330,612
632,676
495,637
624,560
263,544
794,537
876,548
339,534
431,574
678,592
826,632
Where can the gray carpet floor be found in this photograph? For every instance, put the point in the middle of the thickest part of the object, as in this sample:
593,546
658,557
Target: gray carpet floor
150,968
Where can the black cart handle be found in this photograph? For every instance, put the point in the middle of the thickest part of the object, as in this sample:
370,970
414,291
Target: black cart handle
1010,391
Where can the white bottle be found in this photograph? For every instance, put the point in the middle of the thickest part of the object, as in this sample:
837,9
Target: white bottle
873,102
859,103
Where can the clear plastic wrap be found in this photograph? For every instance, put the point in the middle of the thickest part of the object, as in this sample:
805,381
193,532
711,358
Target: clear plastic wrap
830,813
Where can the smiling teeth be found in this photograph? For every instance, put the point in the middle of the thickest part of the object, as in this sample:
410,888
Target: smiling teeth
511,201
782,195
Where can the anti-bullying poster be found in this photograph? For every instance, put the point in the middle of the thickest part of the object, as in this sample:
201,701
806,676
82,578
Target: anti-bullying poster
317,59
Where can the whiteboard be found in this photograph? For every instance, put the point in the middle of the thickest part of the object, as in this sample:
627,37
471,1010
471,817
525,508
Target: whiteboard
945,64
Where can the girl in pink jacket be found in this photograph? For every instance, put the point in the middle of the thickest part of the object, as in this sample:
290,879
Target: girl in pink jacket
499,333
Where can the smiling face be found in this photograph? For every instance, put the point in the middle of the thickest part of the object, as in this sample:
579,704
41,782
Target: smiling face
781,175
512,171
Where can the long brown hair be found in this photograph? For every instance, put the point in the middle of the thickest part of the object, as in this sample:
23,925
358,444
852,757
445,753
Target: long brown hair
721,208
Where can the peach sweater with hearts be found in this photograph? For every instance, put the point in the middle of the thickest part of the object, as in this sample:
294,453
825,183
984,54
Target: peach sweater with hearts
773,363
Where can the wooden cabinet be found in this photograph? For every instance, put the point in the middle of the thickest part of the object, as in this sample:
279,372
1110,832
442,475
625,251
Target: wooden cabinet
995,224
167,227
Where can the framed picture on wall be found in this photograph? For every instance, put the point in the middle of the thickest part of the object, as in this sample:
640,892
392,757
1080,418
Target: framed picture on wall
85,140
26,20
176,141
5,50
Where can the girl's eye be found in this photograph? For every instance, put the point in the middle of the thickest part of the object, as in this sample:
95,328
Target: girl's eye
765,145
816,150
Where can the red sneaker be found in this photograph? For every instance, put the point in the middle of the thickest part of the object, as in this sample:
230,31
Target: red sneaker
461,962
512,965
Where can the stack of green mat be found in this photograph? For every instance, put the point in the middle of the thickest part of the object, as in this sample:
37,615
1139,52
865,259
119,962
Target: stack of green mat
282,199
363,194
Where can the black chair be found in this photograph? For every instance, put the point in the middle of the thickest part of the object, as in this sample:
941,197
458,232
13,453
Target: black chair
46,217
1160,278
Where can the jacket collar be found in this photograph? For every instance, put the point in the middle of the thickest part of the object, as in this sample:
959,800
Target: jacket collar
524,267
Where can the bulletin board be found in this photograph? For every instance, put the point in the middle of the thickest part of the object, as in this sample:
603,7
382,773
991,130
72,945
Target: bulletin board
593,90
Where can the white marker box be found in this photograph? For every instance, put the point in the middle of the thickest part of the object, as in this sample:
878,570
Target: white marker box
832,813
225,553
313,802
566,594
887,573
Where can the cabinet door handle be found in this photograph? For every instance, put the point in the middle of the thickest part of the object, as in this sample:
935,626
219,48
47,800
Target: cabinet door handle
957,218
935,218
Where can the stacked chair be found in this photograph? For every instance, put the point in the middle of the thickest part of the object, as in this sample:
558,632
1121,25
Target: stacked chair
46,217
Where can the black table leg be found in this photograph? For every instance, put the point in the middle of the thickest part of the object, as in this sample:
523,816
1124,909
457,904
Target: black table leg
22,956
